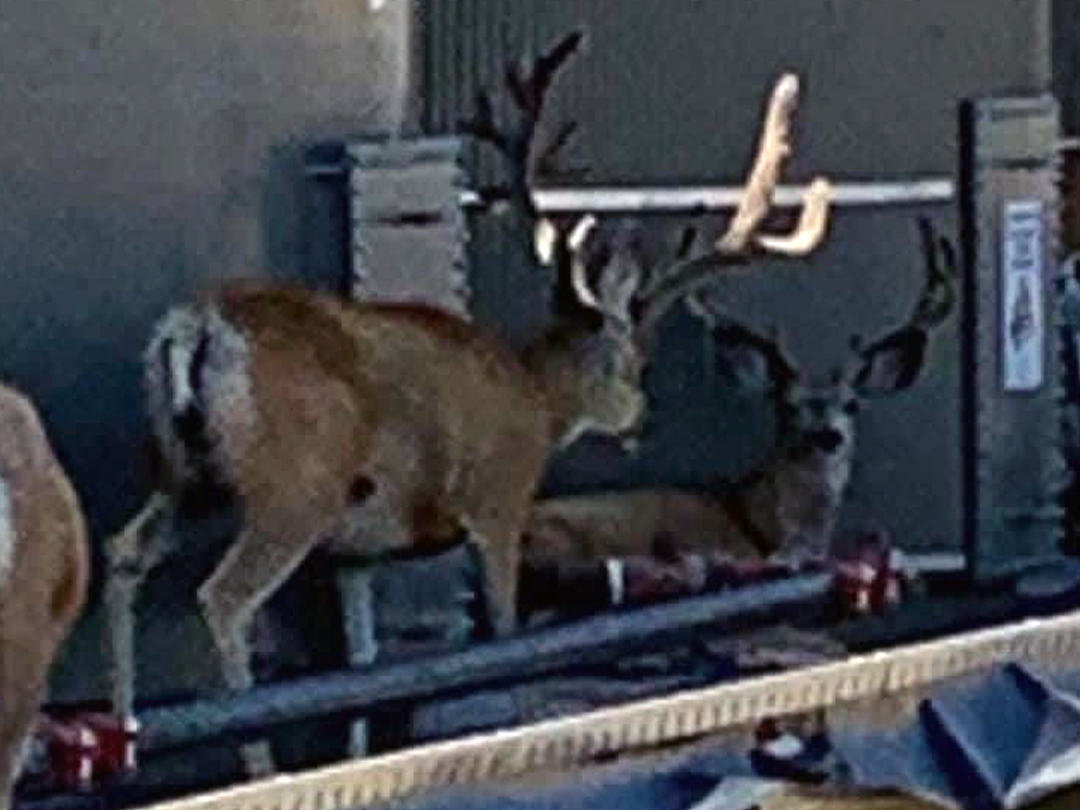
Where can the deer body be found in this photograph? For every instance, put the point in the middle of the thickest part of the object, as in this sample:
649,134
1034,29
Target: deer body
374,427
380,428
789,505
626,524
44,568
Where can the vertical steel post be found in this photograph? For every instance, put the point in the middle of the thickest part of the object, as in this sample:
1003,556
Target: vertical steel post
1011,365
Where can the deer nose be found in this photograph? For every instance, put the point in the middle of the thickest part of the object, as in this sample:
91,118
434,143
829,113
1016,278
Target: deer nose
828,440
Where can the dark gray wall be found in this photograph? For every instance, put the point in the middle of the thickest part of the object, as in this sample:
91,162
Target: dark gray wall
669,92
1066,58
145,149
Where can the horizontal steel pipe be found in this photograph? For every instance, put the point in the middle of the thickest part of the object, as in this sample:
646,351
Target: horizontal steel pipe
517,659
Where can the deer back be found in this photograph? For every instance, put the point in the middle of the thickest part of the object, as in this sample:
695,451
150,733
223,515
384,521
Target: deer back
651,521
44,568
261,384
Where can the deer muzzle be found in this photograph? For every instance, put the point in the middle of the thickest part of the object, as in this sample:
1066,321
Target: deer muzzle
827,440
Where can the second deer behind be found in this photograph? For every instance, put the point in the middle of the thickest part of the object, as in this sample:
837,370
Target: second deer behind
788,506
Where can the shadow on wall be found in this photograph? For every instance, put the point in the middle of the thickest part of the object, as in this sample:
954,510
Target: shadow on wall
146,153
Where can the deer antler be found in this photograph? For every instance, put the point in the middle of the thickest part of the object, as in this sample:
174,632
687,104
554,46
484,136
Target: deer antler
515,144
743,240
547,238
900,352
773,150
938,295
575,242
939,291
723,330
613,293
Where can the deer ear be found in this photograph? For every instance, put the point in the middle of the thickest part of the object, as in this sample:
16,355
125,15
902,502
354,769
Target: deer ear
892,364
743,367
740,362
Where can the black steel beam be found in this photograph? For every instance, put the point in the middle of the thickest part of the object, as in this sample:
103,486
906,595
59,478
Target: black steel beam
591,641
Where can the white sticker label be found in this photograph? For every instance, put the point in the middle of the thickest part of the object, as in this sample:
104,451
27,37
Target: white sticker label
1022,323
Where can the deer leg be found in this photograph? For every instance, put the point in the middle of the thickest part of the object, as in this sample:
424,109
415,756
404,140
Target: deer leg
501,561
497,540
254,567
130,557
25,661
13,747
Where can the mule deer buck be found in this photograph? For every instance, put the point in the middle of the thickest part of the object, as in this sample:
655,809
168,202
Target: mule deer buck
372,429
44,568
789,505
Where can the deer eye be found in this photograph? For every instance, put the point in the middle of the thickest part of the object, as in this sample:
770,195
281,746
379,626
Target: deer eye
851,407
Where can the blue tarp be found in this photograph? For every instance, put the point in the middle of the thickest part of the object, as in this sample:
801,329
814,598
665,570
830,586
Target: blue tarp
999,739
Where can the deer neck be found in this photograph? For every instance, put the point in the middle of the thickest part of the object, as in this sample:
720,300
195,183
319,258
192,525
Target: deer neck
794,499
810,488
554,362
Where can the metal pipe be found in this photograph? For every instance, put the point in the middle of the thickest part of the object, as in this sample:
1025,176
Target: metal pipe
526,656
695,199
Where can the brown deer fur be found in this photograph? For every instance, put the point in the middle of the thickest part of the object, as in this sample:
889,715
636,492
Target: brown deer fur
790,503
44,567
375,428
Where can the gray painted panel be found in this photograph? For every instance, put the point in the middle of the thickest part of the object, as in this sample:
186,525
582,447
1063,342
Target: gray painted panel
416,191
408,231
417,264
670,91
1017,450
